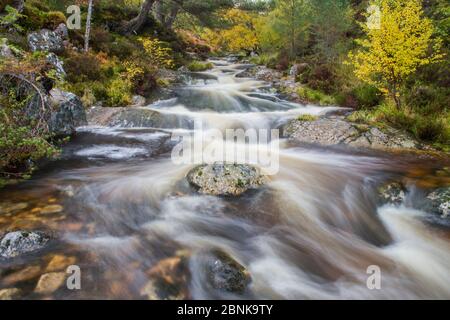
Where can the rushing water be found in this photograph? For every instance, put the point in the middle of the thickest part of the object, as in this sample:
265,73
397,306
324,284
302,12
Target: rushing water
129,217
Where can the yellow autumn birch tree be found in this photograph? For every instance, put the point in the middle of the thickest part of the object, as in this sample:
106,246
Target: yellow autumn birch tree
402,43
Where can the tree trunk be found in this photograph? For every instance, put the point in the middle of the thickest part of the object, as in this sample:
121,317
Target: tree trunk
157,12
88,26
134,25
170,19
397,100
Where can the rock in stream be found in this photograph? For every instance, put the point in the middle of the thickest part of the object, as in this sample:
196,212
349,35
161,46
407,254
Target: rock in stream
221,179
17,243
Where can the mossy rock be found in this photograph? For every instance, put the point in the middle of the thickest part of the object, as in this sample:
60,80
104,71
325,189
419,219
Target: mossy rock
225,179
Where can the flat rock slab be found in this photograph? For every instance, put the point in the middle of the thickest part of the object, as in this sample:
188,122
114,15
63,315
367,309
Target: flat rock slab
225,179
135,117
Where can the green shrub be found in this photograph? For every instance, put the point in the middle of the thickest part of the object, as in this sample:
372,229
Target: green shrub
99,91
11,18
367,96
431,128
103,40
123,48
119,93
4,3
34,16
265,59
320,77
53,19
82,67
428,100
22,141
361,116
307,118
197,66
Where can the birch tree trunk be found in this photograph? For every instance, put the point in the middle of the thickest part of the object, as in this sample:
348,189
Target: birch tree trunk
88,26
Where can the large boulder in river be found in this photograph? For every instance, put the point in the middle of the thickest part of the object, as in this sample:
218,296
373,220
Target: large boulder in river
67,113
46,40
338,131
225,179
17,243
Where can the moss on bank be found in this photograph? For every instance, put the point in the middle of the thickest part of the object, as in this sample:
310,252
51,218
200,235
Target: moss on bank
198,66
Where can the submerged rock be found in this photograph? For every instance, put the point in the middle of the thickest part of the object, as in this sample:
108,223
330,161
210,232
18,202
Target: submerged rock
438,202
12,207
136,117
50,209
225,179
225,273
50,282
393,193
337,130
46,40
60,263
17,243
10,294
169,279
